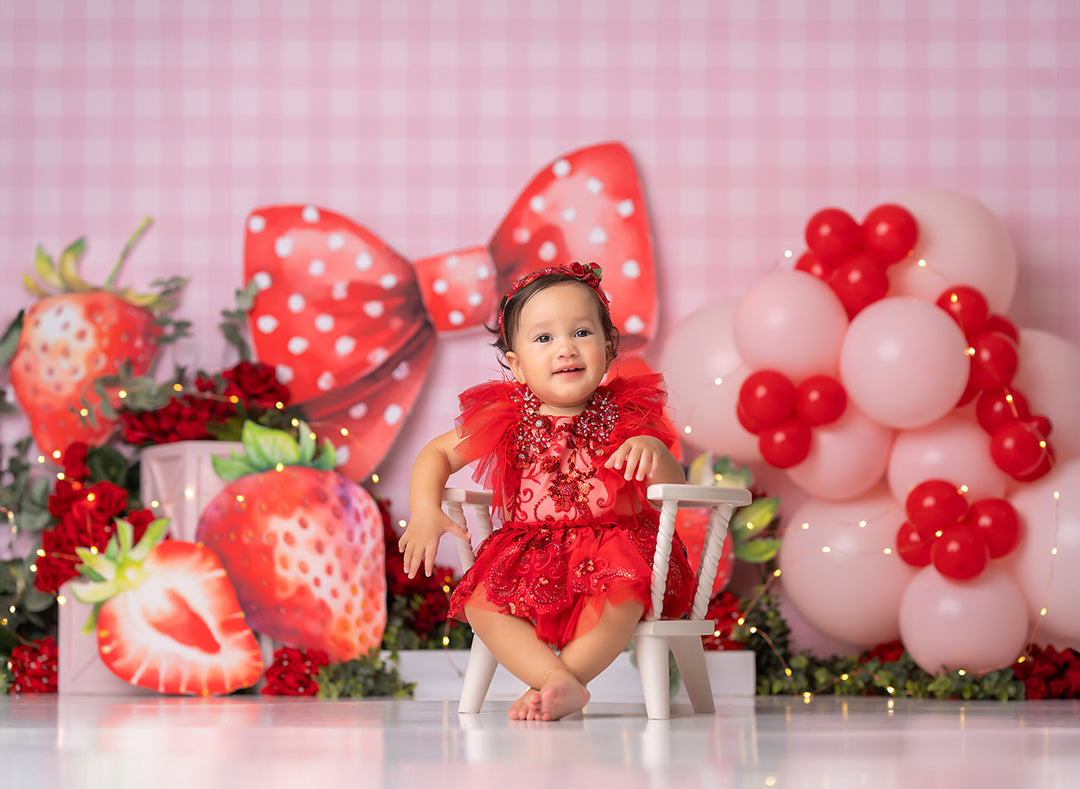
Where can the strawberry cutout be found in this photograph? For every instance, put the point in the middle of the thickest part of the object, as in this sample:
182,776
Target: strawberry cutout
166,616
350,325
302,543
76,336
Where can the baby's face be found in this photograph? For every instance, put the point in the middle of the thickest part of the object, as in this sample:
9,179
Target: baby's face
560,351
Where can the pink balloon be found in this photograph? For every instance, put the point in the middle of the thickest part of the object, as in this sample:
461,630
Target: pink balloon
1049,580
846,457
792,322
908,278
852,591
1049,376
977,625
699,352
961,239
904,362
954,448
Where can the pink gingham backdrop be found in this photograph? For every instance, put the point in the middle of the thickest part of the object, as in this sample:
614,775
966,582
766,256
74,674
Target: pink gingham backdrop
423,119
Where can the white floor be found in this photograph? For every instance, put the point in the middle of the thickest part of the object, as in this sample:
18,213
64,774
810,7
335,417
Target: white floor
252,741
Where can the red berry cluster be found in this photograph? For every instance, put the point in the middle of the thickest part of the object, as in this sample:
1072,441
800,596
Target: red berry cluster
1018,438
34,667
958,537
852,258
781,414
294,672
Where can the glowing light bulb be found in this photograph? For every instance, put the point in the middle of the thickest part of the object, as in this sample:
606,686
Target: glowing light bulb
121,394
686,429
345,431
375,478
189,493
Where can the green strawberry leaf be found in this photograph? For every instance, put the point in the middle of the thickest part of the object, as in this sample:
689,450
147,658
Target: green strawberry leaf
267,447
754,517
757,551
154,533
233,467
307,445
729,475
9,341
327,459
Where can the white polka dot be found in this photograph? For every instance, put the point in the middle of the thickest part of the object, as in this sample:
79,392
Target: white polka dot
569,214
522,235
401,372
344,345
358,411
326,381
316,268
456,317
335,241
388,281
297,345
342,455
324,322
378,355
634,325
364,261
537,203
440,286
547,251
374,309
483,272
597,235
284,373
339,291
262,280
266,323
452,261
310,213
283,247
631,269
594,186
256,223
561,168
625,208
297,303
475,299
393,413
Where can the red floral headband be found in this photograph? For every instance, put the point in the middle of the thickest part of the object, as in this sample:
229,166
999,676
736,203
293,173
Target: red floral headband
587,273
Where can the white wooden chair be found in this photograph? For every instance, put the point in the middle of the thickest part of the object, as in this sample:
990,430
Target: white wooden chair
653,637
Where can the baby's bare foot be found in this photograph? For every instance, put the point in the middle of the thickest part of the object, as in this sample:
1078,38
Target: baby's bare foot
561,695
519,710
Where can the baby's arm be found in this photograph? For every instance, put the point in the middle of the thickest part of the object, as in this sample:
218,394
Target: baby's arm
646,457
427,521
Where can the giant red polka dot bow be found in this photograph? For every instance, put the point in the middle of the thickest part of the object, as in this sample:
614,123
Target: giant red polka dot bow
350,325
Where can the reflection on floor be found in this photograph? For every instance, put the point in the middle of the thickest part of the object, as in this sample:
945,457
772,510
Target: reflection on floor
253,741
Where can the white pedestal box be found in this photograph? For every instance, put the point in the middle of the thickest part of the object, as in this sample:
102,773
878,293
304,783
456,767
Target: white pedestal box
179,477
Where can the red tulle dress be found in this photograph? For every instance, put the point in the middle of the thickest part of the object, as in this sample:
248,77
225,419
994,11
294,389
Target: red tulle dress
574,535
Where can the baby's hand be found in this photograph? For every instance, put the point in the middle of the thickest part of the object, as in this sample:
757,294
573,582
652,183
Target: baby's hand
420,541
642,457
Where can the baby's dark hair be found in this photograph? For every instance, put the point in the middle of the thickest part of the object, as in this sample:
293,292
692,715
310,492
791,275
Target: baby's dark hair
515,299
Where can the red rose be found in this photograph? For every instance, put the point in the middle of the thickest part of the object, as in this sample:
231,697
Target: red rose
74,461
64,495
725,613
258,383
34,667
293,672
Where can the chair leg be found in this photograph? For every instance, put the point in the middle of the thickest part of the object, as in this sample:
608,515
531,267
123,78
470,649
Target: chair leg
479,672
690,658
652,658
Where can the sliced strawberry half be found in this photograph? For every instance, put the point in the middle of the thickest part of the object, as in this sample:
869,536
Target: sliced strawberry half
166,615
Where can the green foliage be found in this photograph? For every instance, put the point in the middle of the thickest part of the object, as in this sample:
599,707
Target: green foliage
368,675
234,322
401,633
265,448
780,673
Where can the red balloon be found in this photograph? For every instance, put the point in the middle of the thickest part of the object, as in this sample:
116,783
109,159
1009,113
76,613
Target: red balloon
1040,424
812,265
995,361
996,520
933,505
967,306
912,547
960,553
1003,325
820,400
748,422
786,444
833,235
1017,449
1041,469
767,397
998,406
859,281
889,233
